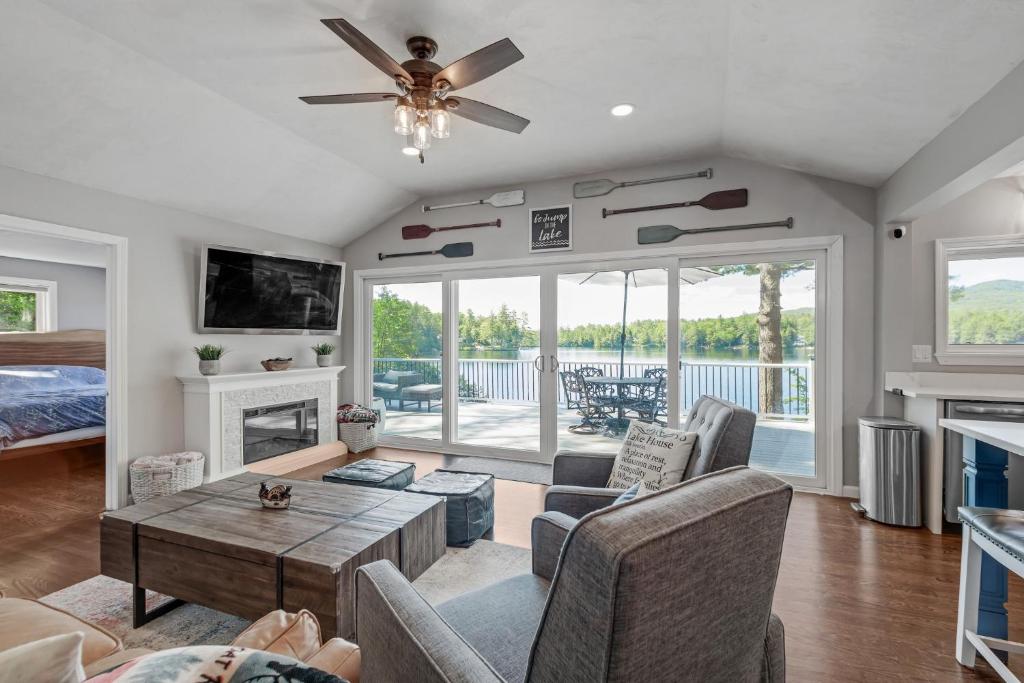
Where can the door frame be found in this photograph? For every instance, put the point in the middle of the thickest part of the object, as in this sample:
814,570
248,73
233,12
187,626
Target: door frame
116,470
832,245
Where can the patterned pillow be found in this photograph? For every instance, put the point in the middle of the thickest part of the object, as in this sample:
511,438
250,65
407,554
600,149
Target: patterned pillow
651,455
221,663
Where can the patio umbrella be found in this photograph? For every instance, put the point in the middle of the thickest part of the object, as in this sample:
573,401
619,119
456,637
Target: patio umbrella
644,277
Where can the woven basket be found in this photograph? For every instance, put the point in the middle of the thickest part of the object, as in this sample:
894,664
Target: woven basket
358,436
164,475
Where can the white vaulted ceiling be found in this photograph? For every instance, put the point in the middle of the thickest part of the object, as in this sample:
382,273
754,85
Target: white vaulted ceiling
193,103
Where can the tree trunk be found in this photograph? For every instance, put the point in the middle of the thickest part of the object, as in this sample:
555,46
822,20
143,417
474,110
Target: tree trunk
769,338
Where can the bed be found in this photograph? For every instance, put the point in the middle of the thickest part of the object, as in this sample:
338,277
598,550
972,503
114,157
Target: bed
52,391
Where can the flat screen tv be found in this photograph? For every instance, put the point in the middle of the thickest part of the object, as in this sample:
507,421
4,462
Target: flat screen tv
260,292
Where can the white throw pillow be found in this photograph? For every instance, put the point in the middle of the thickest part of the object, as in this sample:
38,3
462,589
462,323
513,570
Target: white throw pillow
652,454
57,659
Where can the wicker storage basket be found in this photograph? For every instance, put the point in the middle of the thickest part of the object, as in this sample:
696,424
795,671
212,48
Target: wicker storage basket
163,475
358,436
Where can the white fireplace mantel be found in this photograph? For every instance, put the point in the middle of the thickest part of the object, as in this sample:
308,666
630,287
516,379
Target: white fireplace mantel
214,406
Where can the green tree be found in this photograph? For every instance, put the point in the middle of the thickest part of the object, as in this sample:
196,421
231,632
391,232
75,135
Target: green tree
17,311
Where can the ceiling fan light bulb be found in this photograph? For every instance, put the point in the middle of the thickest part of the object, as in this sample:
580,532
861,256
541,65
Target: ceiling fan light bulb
405,118
440,122
421,135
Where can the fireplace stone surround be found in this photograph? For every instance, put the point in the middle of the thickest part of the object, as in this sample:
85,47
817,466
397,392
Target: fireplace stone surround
215,404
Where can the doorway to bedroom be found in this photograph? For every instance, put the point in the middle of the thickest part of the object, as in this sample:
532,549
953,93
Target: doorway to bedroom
56,392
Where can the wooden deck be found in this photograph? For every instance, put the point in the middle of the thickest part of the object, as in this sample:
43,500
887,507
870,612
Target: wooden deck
781,446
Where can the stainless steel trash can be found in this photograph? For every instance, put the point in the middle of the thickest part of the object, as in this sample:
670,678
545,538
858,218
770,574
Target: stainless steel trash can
890,470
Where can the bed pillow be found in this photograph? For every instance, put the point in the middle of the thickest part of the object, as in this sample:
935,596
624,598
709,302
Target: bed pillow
34,379
221,663
651,455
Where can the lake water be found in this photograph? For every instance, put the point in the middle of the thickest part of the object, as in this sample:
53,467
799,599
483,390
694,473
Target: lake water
639,355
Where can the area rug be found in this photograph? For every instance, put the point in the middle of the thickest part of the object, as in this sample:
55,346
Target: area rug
108,602
515,470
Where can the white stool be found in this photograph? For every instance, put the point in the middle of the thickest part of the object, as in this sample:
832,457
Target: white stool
1000,533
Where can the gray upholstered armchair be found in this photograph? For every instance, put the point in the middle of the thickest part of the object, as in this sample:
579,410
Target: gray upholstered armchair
389,385
674,586
724,434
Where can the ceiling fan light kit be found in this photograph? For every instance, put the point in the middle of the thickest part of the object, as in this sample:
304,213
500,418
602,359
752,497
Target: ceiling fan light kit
423,107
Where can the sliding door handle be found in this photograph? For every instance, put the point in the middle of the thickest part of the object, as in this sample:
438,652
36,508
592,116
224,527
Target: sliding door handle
540,367
554,363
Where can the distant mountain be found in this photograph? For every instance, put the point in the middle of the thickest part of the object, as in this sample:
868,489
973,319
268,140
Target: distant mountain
995,295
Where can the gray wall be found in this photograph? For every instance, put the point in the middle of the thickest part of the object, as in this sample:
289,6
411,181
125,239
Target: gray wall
819,206
81,290
163,263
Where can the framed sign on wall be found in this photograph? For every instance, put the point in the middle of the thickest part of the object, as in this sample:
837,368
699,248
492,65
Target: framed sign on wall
551,229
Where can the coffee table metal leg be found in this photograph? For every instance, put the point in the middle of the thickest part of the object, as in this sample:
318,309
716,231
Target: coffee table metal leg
140,617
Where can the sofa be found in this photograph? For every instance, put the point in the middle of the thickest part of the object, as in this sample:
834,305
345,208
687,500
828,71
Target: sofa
724,430
672,586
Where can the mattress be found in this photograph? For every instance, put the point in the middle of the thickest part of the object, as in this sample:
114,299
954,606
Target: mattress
38,400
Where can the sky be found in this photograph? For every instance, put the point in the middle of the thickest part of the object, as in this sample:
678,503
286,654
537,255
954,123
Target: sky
578,304
970,272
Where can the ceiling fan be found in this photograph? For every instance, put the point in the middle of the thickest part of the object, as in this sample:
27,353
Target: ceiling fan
423,103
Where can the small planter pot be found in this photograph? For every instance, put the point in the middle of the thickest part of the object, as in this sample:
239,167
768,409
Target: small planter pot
209,367
323,361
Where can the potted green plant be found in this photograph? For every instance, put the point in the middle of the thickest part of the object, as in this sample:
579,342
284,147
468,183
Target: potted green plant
209,358
323,353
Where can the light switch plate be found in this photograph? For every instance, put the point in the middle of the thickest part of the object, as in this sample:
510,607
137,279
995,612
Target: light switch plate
922,353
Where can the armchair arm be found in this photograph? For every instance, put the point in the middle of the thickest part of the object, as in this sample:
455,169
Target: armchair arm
773,670
576,468
402,638
577,501
547,535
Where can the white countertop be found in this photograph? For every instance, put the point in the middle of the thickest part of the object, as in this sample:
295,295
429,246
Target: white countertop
1007,435
953,385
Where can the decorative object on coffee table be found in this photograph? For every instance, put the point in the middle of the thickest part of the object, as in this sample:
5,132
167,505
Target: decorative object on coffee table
323,353
216,546
378,474
164,475
469,501
276,497
357,427
209,358
274,364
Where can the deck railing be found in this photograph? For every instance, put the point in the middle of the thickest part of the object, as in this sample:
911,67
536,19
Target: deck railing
516,381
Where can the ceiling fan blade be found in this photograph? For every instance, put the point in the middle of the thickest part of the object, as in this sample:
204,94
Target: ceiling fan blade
487,115
354,98
479,65
368,49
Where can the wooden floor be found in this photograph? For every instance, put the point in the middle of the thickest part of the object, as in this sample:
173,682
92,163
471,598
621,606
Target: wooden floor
860,601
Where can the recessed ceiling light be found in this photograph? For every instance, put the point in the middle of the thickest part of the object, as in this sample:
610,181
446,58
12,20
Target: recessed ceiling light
623,109
410,151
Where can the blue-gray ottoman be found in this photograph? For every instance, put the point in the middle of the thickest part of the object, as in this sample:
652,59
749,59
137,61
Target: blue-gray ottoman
469,502
378,474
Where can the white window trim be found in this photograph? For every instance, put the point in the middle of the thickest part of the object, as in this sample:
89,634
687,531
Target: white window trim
970,354
46,299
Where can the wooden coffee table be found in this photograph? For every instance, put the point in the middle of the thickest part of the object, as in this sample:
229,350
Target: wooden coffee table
216,546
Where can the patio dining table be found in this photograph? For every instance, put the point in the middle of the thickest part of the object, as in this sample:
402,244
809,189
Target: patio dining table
621,385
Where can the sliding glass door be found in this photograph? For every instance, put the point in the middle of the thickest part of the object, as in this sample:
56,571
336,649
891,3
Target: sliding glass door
748,333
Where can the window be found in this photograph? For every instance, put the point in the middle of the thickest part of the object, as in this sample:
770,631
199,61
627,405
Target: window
27,305
979,301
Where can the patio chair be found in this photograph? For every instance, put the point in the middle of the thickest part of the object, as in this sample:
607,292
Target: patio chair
724,430
598,403
389,385
651,402
674,586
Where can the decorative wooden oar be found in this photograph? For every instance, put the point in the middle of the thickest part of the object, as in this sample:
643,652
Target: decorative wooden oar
598,188
716,201
416,232
656,234
453,250
498,199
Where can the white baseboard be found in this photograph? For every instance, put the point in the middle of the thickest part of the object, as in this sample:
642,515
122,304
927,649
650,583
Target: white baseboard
851,492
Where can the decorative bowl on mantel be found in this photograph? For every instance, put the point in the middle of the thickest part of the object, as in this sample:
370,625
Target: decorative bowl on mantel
273,364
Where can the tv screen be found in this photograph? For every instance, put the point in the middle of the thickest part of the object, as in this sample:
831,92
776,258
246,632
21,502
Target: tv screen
246,291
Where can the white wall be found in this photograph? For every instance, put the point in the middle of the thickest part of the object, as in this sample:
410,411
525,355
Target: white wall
819,207
163,263
81,290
